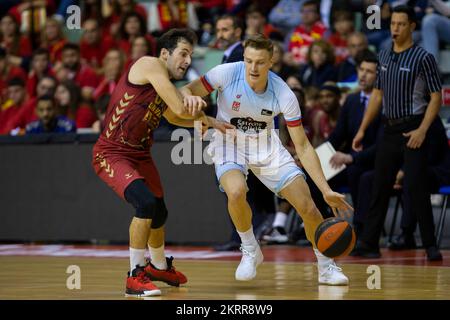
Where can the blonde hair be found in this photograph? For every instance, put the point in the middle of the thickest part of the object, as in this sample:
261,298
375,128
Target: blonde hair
259,42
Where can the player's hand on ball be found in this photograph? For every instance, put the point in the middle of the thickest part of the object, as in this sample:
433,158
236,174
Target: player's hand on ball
194,104
337,202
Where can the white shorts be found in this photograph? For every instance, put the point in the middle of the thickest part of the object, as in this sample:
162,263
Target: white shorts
271,163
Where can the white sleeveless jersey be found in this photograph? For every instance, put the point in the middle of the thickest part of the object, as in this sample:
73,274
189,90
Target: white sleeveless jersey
250,112
255,147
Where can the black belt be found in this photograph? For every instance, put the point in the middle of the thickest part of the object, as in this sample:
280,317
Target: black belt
393,122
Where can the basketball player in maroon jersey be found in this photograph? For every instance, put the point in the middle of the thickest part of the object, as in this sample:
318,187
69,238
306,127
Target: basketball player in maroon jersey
121,156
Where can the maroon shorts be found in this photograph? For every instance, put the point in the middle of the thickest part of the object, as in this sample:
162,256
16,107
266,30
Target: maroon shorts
119,170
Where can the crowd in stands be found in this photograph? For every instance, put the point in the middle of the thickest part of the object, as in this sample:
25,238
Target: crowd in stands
316,42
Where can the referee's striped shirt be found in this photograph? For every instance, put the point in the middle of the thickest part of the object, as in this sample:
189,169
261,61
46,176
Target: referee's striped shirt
406,79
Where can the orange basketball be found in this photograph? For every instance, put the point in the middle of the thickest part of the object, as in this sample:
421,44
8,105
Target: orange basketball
335,237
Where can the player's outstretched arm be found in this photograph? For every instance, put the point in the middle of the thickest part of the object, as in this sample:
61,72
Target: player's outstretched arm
311,163
191,92
172,118
206,121
194,88
152,70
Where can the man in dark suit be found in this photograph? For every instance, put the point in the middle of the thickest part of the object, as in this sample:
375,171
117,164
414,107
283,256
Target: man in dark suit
228,33
347,126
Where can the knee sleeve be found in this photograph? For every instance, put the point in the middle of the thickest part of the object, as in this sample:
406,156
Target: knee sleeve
160,215
142,199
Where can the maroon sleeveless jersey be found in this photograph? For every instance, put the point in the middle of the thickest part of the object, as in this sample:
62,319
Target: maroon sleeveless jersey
134,111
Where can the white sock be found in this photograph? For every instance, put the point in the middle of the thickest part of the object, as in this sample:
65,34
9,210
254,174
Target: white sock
158,257
280,220
248,237
321,259
137,257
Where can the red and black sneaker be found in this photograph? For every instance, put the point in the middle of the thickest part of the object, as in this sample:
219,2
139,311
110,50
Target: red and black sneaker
169,276
139,285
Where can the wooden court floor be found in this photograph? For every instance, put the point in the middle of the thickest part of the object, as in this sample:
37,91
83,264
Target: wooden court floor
44,277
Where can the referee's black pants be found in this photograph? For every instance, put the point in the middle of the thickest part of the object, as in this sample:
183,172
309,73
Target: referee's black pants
391,153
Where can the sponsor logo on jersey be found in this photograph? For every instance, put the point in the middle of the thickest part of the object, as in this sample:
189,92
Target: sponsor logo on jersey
248,124
266,112
154,113
236,106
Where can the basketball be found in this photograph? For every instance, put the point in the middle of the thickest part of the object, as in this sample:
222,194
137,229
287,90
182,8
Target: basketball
335,237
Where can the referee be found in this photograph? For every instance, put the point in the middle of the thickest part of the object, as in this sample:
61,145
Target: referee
408,87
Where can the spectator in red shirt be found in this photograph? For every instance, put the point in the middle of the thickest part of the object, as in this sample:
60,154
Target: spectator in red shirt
343,24
92,9
72,69
168,14
96,10
7,72
11,40
112,70
46,87
93,46
53,39
140,47
256,22
70,104
100,107
329,97
40,66
304,35
41,8
131,27
120,8
15,101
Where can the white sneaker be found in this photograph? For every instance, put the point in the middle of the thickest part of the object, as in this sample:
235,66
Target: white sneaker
332,275
252,257
276,235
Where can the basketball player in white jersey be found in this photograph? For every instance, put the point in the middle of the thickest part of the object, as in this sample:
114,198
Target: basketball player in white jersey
249,97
